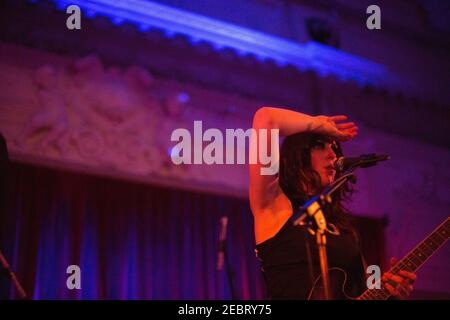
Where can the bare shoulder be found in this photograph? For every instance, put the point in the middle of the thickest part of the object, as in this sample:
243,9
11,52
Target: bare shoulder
270,206
271,209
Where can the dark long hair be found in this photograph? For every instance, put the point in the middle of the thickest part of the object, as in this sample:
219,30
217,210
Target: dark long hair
299,181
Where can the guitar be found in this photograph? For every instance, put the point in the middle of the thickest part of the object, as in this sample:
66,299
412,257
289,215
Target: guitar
411,262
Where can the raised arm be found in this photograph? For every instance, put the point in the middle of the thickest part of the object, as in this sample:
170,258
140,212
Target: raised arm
290,122
268,203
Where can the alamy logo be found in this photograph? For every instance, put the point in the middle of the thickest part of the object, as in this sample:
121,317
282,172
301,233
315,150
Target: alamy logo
215,153
74,280
373,281
74,20
374,20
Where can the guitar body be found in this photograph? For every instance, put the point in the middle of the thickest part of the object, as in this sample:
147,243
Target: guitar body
339,286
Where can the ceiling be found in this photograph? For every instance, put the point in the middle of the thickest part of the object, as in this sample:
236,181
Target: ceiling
438,13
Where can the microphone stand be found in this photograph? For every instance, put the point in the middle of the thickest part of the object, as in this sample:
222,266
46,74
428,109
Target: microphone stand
311,214
5,270
230,275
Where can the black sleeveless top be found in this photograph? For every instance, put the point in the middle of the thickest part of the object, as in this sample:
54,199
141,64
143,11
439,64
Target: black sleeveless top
285,263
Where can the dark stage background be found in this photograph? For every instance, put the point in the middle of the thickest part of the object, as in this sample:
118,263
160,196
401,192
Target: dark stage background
131,240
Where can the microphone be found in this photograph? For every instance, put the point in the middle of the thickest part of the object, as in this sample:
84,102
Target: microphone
222,242
363,161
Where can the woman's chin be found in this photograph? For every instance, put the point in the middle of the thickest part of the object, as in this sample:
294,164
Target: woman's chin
327,180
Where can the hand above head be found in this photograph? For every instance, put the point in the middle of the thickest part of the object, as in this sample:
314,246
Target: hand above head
329,126
399,285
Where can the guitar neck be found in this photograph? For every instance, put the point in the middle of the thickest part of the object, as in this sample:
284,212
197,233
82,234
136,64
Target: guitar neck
414,259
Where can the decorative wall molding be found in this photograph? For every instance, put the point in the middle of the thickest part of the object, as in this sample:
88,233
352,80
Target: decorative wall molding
95,115
87,117
260,82
244,41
